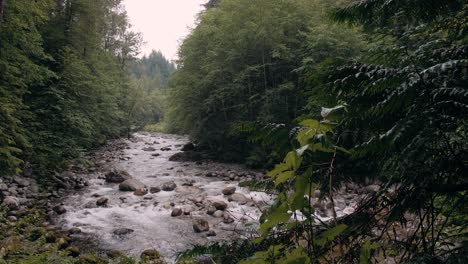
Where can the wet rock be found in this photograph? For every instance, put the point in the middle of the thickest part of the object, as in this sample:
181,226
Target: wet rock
211,233
149,149
168,186
239,198
73,251
11,202
219,205
211,210
131,185
22,182
188,147
114,254
140,192
117,176
166,149
102,201
12,218
201,225
155,155
74,230
186,156
155,189
218,213
62,243
229,190
59,209
176,212
123,231
150,254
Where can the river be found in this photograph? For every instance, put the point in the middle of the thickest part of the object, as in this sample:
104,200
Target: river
132,224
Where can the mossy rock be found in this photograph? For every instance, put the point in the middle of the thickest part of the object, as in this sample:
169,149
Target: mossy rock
89,259
152,255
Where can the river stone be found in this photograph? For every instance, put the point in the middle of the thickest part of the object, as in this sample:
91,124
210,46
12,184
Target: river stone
73,251
211,210
228,220
131,185
229,190
150,254
218,213
123,231
155,189
22,182
176,212
188,147
373,188
168,186
239,198
220,205
201,225
211,233
74,230
59,209
140,192
102,201
149,149
117,176
11,202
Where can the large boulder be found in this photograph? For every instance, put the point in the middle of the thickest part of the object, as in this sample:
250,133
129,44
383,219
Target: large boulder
131,185
117,176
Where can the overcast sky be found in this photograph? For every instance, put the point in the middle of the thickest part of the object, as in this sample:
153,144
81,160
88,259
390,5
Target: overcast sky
164,23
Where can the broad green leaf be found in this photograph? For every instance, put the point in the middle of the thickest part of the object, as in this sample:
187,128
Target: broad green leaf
297,256
276,215
330,235
284,177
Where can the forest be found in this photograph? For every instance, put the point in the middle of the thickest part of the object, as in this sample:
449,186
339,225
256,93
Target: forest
325,97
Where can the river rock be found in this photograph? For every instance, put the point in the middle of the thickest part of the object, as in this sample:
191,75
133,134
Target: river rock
188,147
11,202
229,190
201,225
117,176
22,182
131,185
211,210
211,233
218,213
140,192
59,209
169,186
176,212
239,198
219,205
149,149
166,149
123,231
73,251
373,188
155,189
74,230
102,201
228,219
150,254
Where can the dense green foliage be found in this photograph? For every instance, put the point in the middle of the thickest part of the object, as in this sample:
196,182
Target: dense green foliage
252,75
249,62
63,82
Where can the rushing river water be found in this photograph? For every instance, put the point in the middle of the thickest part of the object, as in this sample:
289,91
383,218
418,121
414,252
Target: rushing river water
145,222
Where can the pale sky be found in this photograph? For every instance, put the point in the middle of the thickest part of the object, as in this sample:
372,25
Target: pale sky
164,23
